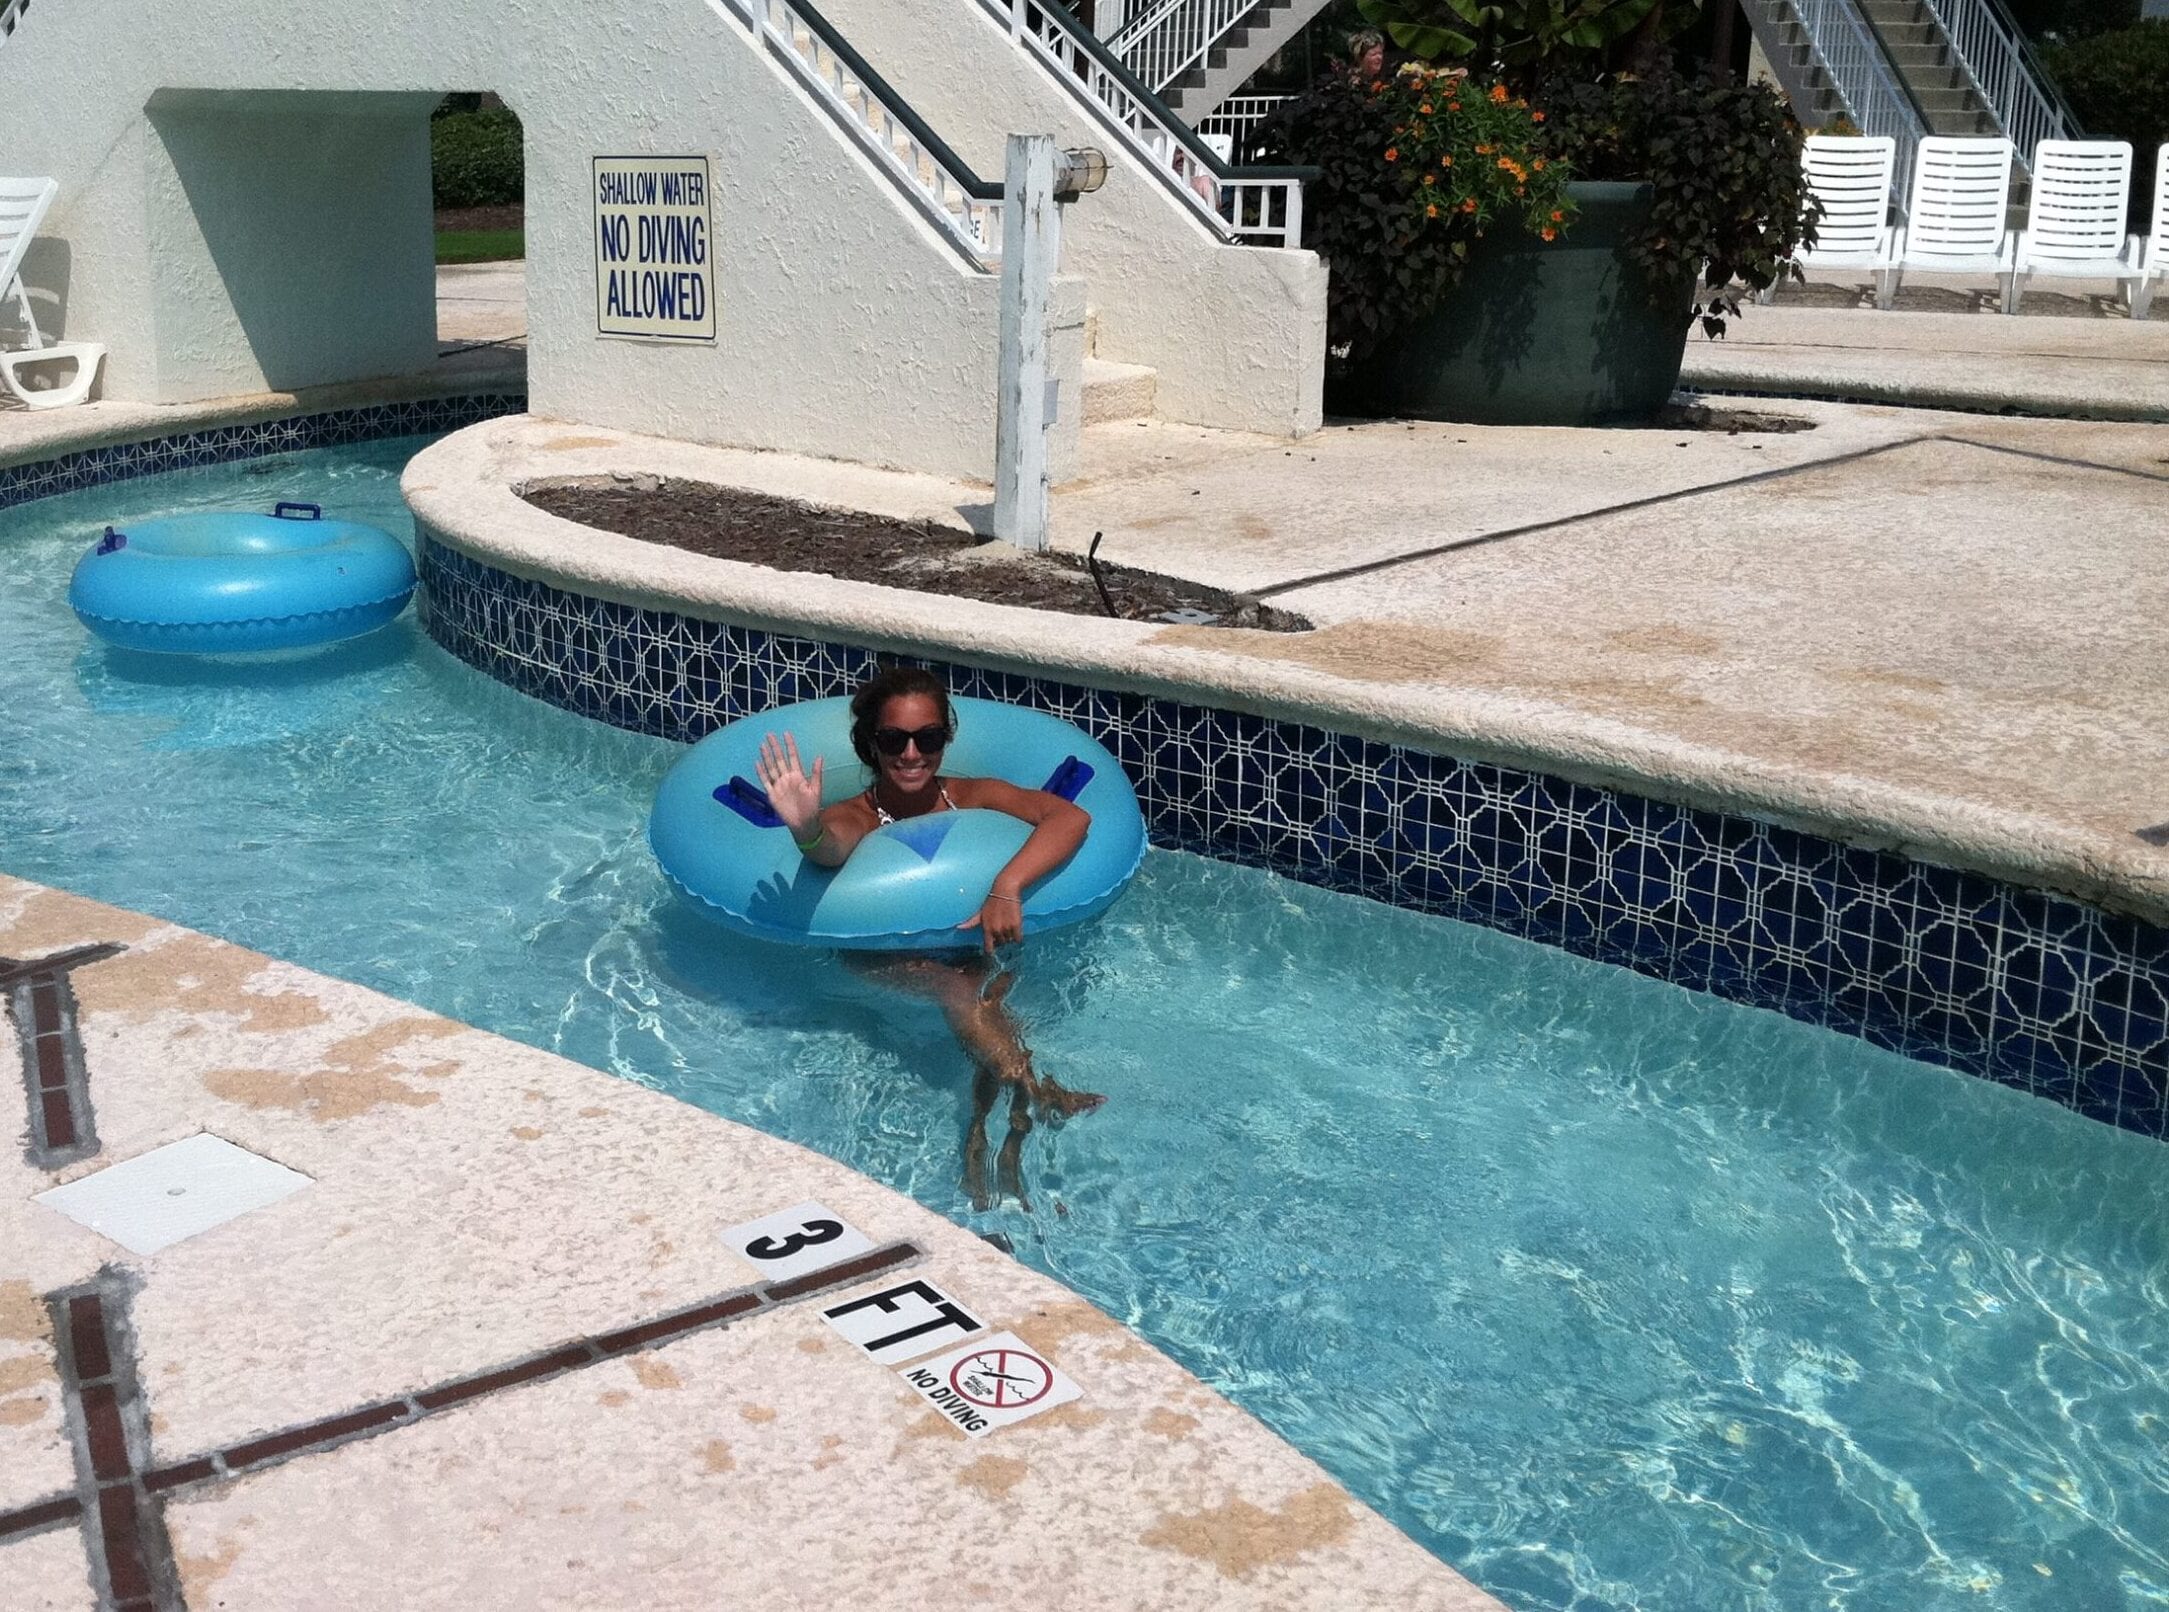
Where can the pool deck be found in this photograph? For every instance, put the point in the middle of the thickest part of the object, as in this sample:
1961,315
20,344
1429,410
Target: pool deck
451,1290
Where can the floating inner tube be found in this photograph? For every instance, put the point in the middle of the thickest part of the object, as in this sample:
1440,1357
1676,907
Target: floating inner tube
906,887
217,584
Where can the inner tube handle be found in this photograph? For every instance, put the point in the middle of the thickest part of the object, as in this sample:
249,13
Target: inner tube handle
749,801
1069,779
310,512
112,543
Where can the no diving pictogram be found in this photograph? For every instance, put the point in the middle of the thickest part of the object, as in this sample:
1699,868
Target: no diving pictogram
991,1383
1002,1379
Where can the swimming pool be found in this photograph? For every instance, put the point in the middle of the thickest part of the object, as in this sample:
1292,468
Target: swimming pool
1612,1294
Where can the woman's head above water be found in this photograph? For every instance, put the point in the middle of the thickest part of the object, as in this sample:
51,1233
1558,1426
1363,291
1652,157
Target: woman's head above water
901,721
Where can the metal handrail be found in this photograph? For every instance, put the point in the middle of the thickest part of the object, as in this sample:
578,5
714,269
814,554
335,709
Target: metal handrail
1169,39
11,12
966,208
1238,201
2003,69
1875,97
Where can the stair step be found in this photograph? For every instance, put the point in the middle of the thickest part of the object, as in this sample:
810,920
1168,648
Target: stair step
1116,391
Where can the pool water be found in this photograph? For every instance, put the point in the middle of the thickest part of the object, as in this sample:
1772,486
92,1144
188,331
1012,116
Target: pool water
1611,1294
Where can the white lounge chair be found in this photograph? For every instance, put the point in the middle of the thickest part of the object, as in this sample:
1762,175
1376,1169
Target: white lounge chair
1850,175
22,208
1955,211
2153,258
2075,220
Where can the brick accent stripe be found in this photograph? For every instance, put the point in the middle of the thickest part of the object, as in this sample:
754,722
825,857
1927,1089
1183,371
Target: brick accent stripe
56,1080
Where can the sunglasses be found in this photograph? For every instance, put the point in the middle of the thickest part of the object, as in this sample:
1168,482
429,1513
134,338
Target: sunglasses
891,741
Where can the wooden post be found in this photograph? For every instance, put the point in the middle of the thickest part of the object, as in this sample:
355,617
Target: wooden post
1031,246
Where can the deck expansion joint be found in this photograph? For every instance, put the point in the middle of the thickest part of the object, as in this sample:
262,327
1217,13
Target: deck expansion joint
56,1077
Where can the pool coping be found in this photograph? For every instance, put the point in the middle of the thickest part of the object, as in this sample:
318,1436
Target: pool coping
463,488
534,1293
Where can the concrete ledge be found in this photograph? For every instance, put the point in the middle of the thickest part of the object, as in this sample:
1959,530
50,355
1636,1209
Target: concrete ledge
323,1409
463,490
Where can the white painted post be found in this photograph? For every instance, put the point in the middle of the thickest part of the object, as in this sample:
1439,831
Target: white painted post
1031,247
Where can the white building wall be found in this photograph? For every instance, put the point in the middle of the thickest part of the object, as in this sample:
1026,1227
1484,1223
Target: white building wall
847,327
1236,333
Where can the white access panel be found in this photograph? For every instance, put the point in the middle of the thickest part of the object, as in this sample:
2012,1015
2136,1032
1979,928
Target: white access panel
155,1199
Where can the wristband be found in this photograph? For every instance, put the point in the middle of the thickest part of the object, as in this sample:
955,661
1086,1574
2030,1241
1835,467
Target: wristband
804,846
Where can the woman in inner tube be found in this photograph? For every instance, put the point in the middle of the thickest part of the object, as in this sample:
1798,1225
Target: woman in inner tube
901,721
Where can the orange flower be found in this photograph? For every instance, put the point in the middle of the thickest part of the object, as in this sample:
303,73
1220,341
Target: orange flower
1430,179
1507,163
1483,151
1393,153
1446,159
1424,108
1558,217
1549,233
1453,106
1431,211
1538,165
1498,94
1469,206
1536,117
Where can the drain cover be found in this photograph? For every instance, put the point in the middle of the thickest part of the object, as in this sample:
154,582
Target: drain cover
155,1199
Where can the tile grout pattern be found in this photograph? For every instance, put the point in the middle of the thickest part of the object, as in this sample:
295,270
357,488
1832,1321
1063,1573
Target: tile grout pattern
2035,990
122,1491
56,1083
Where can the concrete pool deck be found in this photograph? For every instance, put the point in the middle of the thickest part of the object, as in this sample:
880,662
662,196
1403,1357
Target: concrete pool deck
456,1291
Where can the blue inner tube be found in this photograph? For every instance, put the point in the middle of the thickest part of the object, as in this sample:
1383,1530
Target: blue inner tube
906,887
213,584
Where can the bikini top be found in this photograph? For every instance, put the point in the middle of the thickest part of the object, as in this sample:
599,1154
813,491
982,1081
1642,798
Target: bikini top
884,819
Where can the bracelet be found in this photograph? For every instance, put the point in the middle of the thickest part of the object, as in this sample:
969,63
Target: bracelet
996,895
804,846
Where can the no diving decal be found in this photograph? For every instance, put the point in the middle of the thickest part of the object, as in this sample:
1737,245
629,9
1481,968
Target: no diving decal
654,250
991,1383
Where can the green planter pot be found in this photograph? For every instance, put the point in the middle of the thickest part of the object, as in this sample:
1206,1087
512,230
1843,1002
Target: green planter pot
1564,332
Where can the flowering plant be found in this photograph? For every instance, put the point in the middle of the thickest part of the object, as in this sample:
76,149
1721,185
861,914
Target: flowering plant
1413,167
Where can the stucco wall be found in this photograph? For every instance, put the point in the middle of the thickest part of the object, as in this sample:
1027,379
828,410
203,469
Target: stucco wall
1236,333
845,325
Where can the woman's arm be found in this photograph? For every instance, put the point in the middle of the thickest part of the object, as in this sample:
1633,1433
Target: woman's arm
1058,828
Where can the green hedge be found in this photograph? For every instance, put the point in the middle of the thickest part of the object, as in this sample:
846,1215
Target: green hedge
475,159
2118,85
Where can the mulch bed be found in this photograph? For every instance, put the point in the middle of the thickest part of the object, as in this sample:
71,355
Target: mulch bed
785,535
463,219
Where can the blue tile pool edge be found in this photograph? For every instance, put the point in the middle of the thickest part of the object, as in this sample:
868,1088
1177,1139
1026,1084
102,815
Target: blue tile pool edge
2035,990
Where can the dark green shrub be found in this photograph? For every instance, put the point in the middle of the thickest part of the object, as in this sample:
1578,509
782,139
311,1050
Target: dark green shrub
1725,161
475,159
2118,85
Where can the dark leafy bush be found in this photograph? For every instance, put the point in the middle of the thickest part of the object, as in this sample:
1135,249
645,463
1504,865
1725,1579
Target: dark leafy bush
1414,167
2118,85
2067,20
475,159
1725,161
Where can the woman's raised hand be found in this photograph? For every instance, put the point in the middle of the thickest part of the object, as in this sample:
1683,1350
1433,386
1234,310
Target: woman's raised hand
795,796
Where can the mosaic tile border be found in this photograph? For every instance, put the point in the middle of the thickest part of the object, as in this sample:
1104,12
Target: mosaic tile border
2031,989
223,444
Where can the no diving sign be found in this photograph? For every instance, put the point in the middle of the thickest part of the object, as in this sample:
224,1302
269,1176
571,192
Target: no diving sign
990,1384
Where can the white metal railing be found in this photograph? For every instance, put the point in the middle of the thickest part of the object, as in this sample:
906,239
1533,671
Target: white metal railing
1239,114
1993,53
11,12
963,206
1258,207
1161,42
1860,72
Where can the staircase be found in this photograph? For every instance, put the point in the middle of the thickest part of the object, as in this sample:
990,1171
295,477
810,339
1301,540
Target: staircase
1908,68
1114,392
1196,53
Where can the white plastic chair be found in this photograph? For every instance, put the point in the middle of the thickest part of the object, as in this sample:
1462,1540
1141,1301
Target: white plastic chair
22,208
1955,213
2151,264
1850,175
2075,221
